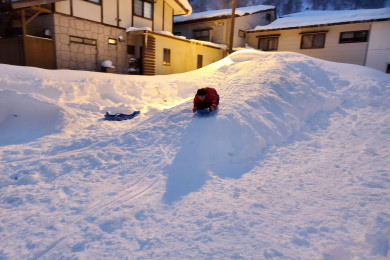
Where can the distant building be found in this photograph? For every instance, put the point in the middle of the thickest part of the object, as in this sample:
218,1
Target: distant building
121,36
214,26
354,36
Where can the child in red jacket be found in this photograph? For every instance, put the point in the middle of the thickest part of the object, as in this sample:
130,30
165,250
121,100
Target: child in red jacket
206,98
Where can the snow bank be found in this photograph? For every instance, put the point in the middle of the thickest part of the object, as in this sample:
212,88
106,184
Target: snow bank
24,118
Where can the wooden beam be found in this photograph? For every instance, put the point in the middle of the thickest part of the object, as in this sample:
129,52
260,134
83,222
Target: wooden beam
41,9
23,20
33,17
28,3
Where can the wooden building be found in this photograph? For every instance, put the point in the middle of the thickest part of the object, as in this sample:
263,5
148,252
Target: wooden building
133,36
214,26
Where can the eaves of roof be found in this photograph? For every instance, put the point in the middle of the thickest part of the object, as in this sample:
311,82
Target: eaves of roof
318,25
214,18
186,10
28,3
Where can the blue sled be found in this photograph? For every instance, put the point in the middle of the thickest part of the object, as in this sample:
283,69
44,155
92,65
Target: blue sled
203,111
206,111
120,117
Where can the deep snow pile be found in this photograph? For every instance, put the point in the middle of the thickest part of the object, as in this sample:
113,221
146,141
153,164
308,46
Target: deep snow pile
294,165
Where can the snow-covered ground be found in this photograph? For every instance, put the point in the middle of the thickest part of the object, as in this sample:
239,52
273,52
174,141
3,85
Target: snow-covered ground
294,164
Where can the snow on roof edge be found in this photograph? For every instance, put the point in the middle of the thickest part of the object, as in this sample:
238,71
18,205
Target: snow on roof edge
241,11
323,18
169,34
186,6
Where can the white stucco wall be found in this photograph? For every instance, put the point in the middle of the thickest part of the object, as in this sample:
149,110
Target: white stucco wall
378,54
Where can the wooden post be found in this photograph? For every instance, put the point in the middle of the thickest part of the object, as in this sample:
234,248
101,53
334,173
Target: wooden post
23,20
234,2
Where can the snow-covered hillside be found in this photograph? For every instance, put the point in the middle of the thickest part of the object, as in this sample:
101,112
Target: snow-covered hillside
294,164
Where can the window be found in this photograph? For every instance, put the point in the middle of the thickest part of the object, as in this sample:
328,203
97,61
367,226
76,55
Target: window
76,39
200,62
143,8
388,68
268,17
356,36
112,41
241,33
81,40
94,1
167,57
202,34
313,40
267,43
131,49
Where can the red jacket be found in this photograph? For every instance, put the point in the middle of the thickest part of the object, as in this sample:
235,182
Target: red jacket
211,99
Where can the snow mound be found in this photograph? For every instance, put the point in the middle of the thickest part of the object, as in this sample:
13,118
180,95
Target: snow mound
24,118
250,119
295,158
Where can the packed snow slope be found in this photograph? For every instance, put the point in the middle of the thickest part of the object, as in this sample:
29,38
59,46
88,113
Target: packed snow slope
293,165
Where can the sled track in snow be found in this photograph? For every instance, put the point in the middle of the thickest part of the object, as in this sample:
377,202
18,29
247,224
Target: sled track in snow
135,190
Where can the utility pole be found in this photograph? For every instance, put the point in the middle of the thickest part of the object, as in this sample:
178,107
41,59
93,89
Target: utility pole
234,3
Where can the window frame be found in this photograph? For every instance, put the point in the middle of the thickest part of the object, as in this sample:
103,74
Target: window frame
143,3
354,39
268,38
314,36
166,57
241,33
202,38
112,41
96,2
82,40
199,63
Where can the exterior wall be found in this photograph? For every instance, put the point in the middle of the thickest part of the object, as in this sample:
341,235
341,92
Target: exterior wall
378,54
168,18
183,55
110,13
246,22
140,22
220,32
158,16
290,40
218,29
125,11
63,7
87,57
119,13
87,10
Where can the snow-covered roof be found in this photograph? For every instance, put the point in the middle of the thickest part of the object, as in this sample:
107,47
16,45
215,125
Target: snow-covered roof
170,34
185,6
315,18
215,14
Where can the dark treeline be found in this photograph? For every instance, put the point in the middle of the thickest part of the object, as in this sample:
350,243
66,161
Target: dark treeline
290,6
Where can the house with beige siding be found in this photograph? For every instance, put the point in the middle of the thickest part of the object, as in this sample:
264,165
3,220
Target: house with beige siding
214,25
120,36
359,37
